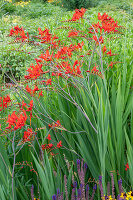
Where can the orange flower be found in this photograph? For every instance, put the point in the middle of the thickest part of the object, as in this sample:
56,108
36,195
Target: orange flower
48,82
73,33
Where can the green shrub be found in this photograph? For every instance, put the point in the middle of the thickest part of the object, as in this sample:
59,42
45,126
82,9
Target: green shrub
8,8
73,4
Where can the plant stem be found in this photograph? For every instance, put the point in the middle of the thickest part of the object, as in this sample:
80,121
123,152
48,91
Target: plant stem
14,155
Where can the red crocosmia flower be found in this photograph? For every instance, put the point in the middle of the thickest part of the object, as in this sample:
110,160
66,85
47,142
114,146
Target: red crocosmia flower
59,144
29,90
16,31
11,119
34,71
49,137
49,82
55,37
111,64
43,33
43,146
75,63
127,166
38,60
31,106
80,45
50,125
3,103
72,33
50,145
102,17
110,53
104,49
35,89
27,135
100,39
17,121
21,120
46,56
40,94
23,104
57,123
78,14
94,69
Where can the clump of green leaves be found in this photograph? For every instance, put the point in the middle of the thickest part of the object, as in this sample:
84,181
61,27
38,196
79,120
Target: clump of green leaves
8,7
73,4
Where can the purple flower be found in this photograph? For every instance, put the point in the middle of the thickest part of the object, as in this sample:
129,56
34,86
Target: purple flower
120,181
87,187
75,184
95,187
58,191
85,166
32,192
100,178
78,162
54,197
79,192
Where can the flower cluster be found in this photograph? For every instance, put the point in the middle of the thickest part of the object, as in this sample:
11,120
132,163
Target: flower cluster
4,102
18,33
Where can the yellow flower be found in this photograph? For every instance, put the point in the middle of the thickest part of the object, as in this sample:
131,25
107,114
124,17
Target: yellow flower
6,18
10,1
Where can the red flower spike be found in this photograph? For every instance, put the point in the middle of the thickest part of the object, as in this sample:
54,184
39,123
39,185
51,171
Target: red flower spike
43,146
31,106
48,82
35,89
40,94
59,144
78,14
104,49
50,145
23,104
72,33
49,137
127,166
29,90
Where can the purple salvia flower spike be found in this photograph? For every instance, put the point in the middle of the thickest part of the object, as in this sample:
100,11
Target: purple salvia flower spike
82,181
113,187
120,186
87,192
108,188
85,168
54,197
73,194
93,193
79,194
75,184
58,192
100,185
32,192
66,192
78,166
